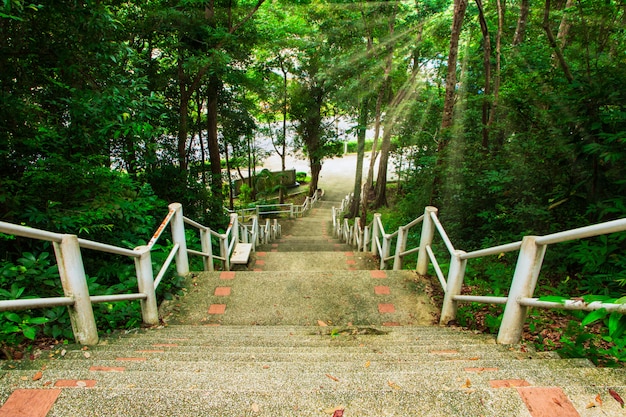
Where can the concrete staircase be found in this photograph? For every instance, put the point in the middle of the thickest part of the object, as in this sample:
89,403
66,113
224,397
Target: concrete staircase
307,329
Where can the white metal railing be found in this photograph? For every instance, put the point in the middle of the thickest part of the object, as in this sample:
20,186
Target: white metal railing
291,210
531,253
76,297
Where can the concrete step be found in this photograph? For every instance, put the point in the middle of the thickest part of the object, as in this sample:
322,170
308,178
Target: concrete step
276,377
309,371
303,298
286,246
306,261
212,402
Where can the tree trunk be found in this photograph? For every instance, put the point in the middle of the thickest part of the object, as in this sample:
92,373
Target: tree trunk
312,137
384,91
553,43
565,25
460,6
520,30
212,138
381,180
360,154
487,68
496,80
369,182
448,107
283,154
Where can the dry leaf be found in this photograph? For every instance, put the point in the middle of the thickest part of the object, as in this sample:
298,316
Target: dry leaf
367,364
467,384
63,352
37,376
338,413
321,323
255,408
393,385
334,378
45,384
615,395
591,405
599,400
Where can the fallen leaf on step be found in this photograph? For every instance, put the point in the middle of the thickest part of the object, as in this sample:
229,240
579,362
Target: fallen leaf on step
255,408
467,384
334,378
367,364
338,413
37,376
615,395
321,323
599,400
591,405
393,385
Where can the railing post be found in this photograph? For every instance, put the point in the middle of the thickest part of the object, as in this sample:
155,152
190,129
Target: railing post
291,211
224,252
207,247
355,240
234,219
375,232
366,237
453,288
426,239
72,272
178,236
145,283
523,286
400,247
385,253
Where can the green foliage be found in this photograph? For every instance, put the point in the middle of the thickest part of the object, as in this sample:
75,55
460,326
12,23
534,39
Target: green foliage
301,176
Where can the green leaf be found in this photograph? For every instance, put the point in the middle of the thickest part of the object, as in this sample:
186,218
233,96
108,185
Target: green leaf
617,325
13,317
37,320
10,329
594,316
553,299
30,332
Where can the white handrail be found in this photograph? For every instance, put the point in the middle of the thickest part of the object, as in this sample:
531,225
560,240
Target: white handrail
532,250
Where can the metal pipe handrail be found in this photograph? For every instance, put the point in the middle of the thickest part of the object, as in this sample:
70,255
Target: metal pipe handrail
166,265
161,228
442,233
95,299
25,304
24,231
103,247
438,271
409,251
484,299
572,304
496,250
195,224
413,223
583,232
